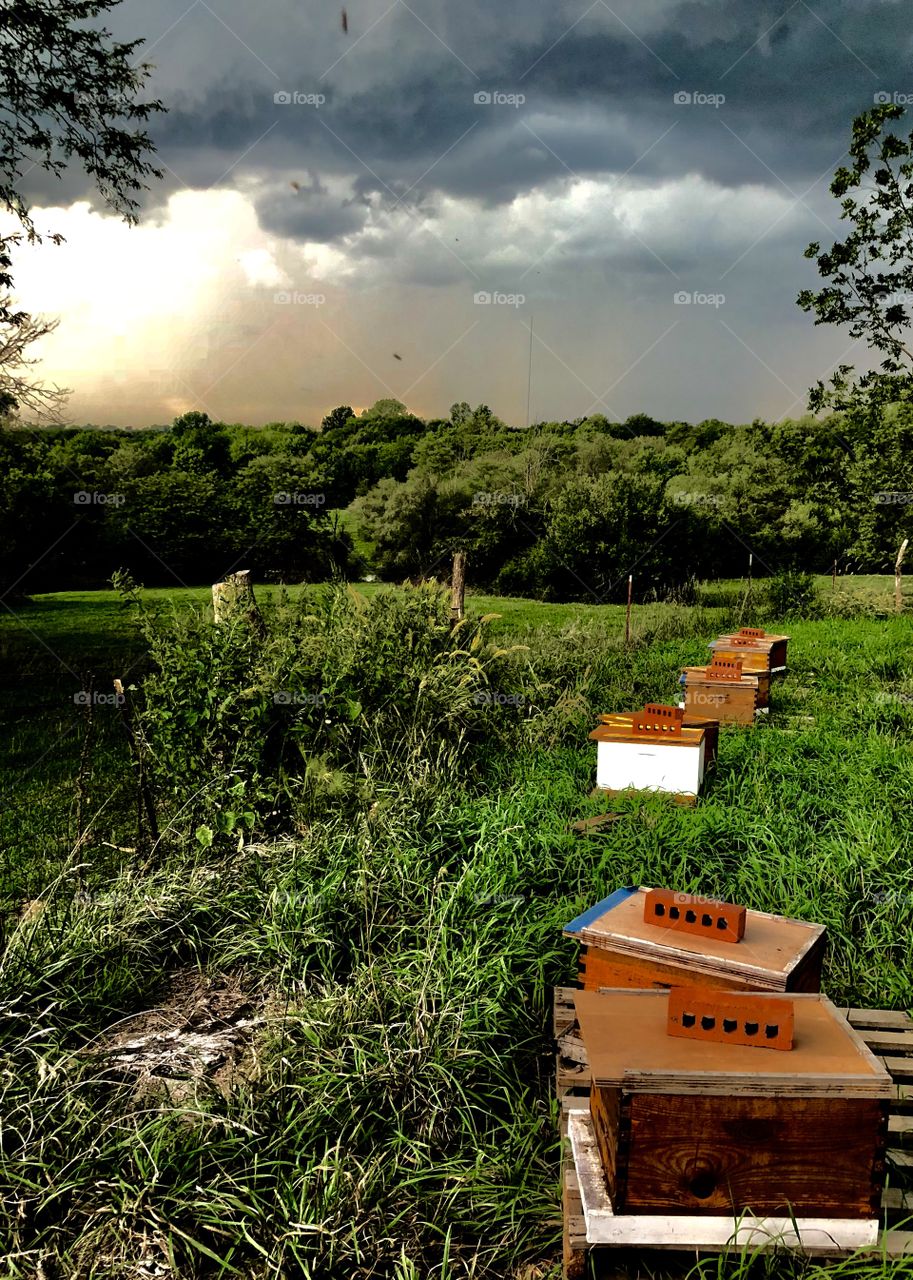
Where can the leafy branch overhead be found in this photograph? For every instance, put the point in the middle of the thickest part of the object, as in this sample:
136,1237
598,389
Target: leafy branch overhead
869,275
68,92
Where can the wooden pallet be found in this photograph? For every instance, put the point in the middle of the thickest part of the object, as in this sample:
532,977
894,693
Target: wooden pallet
887,1033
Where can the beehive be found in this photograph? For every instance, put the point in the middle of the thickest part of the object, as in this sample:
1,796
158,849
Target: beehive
620,948
758,650
725,691
650,750
689,1125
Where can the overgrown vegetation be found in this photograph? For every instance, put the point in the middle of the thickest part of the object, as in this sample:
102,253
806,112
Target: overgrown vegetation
561,511
401,936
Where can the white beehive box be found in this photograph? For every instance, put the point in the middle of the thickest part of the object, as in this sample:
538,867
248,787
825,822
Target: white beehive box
650,750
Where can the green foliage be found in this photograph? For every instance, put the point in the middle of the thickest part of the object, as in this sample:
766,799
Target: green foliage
70,93
396,1115
869,274
342,697
793,594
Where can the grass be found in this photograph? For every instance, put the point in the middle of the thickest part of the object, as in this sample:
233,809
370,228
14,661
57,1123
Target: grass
397,1115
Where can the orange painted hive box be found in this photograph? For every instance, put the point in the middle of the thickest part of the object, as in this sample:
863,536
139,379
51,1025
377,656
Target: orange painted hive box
621,948
758,650
724,690
688,1125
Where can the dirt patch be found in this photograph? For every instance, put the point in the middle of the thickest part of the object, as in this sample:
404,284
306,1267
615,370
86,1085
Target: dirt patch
200,1032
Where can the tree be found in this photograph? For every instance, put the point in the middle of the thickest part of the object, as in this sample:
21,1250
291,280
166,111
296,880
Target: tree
18,392
337,417
67,91
870,274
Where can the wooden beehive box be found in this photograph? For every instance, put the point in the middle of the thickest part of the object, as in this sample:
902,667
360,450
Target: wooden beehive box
758,650
650,750
722,689
691,1126
620,948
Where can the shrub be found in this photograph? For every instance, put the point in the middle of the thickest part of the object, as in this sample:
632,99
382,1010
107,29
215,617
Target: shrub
342,697
793,594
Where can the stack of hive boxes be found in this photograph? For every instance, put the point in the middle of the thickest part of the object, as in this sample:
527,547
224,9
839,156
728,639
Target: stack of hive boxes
723,1083
656,749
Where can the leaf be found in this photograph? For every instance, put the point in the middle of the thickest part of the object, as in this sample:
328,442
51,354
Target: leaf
205,836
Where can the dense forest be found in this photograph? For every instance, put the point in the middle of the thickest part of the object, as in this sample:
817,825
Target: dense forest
561,510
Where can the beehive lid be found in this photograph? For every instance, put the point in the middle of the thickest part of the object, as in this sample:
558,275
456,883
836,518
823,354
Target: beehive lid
624,1033
707,675
748,639
770,949
656,723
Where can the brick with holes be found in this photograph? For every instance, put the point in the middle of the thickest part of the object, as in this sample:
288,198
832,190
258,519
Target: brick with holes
757,1021
692,913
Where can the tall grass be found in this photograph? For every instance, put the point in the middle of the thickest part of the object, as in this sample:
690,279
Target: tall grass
396,1116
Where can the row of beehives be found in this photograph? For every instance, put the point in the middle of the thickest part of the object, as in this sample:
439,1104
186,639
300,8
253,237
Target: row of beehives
669,748
722,1082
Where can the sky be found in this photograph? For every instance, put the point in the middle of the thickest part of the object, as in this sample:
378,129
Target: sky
554,207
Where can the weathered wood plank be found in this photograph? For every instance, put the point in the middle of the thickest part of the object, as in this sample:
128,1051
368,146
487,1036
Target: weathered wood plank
900,1159
888,1041
881,1019
571,1048
900,1068
896,1198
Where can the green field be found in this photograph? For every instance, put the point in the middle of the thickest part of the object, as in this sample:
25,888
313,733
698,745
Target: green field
393,1112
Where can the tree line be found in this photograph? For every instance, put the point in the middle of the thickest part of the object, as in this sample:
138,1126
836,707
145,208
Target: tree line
560,510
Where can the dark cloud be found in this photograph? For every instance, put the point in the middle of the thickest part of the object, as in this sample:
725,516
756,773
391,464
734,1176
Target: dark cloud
599,92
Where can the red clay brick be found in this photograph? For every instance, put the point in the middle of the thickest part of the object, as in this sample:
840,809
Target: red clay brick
701,1013
691,913
658,720
724,669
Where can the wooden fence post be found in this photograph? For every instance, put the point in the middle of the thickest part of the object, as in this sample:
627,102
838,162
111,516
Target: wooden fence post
458,588
237,592
898,577
144,791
